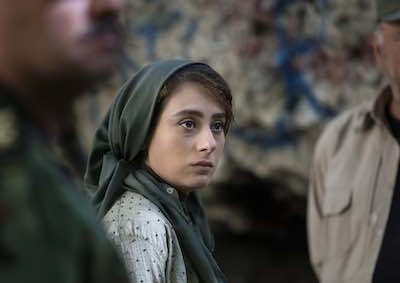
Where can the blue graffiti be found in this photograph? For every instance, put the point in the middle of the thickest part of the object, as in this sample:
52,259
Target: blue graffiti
128,66
189,35
295,83
290,49
151,30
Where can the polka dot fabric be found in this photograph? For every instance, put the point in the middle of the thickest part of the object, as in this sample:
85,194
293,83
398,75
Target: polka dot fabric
147,241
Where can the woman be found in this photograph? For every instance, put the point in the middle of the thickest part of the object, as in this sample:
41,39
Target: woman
160,142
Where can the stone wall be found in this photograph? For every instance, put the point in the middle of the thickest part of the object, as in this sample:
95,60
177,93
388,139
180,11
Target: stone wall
292,65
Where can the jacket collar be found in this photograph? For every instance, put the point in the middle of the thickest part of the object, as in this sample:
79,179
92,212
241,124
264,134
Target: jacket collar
374,112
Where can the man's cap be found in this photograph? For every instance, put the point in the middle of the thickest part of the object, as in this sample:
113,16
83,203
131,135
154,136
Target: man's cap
388,10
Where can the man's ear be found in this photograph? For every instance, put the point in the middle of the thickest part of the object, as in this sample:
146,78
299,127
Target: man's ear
377,47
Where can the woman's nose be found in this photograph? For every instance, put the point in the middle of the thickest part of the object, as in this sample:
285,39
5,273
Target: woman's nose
206,141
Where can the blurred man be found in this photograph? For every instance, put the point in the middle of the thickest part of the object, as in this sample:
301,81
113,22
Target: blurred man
354,197
50,52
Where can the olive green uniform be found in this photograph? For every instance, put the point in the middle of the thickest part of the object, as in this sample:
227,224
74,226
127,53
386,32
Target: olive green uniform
48,231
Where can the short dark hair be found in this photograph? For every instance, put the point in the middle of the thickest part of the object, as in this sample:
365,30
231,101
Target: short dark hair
206,77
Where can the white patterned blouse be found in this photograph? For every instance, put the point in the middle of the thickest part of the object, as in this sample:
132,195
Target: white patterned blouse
146,241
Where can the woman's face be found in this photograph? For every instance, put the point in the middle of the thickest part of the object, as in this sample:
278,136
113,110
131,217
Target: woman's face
189,138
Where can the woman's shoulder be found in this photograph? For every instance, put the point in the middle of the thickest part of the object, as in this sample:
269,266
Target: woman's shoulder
134,221
136,213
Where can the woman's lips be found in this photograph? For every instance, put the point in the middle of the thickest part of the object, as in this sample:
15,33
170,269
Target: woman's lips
203,164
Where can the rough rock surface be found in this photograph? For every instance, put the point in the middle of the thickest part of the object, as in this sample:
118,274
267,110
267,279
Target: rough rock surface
292,65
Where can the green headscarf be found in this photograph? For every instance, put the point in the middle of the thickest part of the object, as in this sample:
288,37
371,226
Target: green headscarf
111,168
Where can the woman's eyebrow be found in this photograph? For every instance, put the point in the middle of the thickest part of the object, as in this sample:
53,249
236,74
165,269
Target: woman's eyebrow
219,116
192,112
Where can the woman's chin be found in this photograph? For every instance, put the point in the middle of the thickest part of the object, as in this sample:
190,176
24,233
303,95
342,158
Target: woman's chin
199,182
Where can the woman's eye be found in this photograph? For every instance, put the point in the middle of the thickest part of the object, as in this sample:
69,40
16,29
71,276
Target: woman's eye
188,124
217,126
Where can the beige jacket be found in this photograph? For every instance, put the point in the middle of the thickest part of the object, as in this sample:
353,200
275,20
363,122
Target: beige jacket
352,181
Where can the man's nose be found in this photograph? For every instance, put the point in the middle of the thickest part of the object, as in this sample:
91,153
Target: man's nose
206,142
106,7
